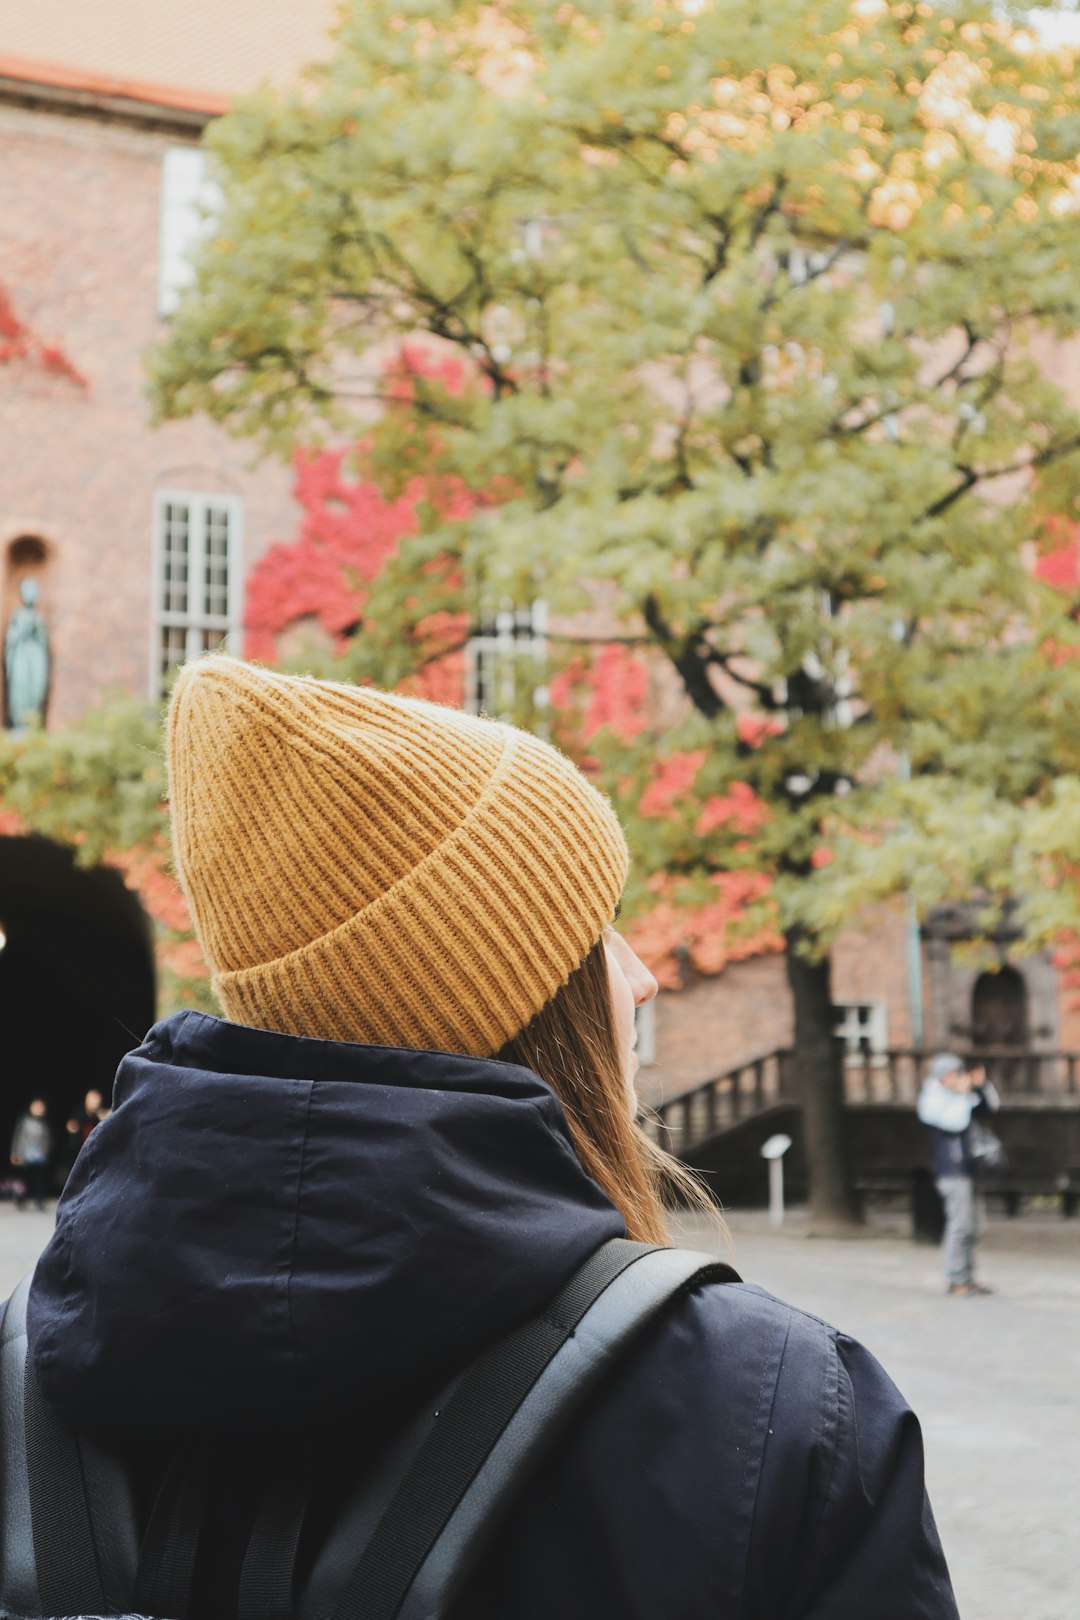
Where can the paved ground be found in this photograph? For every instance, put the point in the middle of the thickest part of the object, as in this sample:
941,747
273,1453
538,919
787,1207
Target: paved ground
995,1381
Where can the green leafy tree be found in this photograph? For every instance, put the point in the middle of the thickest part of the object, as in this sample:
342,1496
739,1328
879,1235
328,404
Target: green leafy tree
747,299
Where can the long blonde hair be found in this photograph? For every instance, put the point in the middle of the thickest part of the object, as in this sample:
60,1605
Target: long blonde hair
571,1043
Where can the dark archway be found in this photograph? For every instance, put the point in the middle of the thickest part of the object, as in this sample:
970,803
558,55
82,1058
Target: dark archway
76,979
999,1009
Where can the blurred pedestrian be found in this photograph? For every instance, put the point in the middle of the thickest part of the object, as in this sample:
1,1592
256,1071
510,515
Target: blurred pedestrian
92,1112
952,1097
31,1154
77,1129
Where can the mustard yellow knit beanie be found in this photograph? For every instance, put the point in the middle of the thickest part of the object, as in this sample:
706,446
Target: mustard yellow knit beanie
367,867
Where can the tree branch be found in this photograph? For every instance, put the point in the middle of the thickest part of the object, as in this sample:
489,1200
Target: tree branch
691,656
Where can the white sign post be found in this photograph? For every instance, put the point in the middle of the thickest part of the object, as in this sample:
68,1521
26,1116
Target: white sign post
773,1150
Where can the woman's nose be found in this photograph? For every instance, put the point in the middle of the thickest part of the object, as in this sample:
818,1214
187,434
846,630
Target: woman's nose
644,984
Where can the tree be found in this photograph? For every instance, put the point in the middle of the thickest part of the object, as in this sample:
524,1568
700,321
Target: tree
318,585
746,301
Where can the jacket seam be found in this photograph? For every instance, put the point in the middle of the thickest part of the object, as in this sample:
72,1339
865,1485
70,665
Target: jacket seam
295,1235
833,1423
752,1494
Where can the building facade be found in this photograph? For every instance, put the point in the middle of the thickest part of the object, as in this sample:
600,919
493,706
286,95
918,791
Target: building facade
135,539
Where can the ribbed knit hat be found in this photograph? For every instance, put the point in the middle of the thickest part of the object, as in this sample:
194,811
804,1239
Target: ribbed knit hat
367,867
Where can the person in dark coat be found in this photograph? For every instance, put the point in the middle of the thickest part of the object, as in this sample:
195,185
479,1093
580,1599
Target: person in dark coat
414,1124
31,1154
85,1119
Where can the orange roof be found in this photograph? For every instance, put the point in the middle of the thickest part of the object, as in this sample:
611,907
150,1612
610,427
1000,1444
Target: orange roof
196,55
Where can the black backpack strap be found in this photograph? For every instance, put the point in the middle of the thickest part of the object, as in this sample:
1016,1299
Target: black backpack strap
65,1553
166,1569
55,1565
18,1574
67,1516
504,1414
266,1580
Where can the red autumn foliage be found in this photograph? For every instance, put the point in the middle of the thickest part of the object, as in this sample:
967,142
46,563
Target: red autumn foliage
1061,566
349,530
414,364
672,778
19,341
146,870
708,937
740,807
754,728
615,687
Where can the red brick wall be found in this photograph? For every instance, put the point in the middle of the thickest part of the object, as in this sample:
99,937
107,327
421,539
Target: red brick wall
870,964
745,1011
79,221
716,1023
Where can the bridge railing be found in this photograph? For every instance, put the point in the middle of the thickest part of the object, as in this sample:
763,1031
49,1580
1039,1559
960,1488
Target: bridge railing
893,1076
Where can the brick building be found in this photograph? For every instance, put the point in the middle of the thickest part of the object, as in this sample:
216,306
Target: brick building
138,537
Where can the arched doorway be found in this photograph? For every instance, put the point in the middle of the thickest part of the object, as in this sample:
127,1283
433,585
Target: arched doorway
999,1009
76,979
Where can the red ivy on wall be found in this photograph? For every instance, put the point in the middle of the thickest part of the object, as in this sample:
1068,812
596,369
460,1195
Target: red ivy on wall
18,341
347,532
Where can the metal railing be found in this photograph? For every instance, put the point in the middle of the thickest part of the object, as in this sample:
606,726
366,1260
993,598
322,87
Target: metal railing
893,1076
718,1104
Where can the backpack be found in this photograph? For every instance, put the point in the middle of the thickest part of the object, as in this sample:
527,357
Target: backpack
70,1542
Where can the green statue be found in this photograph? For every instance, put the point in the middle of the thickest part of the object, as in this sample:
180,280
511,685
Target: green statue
26,660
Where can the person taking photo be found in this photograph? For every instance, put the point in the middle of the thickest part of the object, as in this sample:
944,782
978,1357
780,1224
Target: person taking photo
953,1097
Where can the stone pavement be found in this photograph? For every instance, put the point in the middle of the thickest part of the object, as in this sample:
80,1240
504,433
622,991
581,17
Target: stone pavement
995,1381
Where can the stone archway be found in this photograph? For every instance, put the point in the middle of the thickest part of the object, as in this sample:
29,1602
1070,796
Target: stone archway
77,984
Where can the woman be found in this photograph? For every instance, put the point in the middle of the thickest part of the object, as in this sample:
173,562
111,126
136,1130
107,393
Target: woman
415,1125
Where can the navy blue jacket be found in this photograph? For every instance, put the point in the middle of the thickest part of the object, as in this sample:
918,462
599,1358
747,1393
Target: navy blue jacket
271,1229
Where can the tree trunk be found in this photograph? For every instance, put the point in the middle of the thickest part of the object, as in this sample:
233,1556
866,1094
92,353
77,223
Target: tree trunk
820,1074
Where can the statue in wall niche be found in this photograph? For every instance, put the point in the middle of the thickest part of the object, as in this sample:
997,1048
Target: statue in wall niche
26,660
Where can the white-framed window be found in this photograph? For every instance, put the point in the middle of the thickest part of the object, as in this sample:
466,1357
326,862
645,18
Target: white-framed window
188,198
863,1026
645,1023
505,663
197,577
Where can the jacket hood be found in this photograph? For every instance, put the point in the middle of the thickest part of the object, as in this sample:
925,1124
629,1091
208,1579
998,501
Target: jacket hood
274,1229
